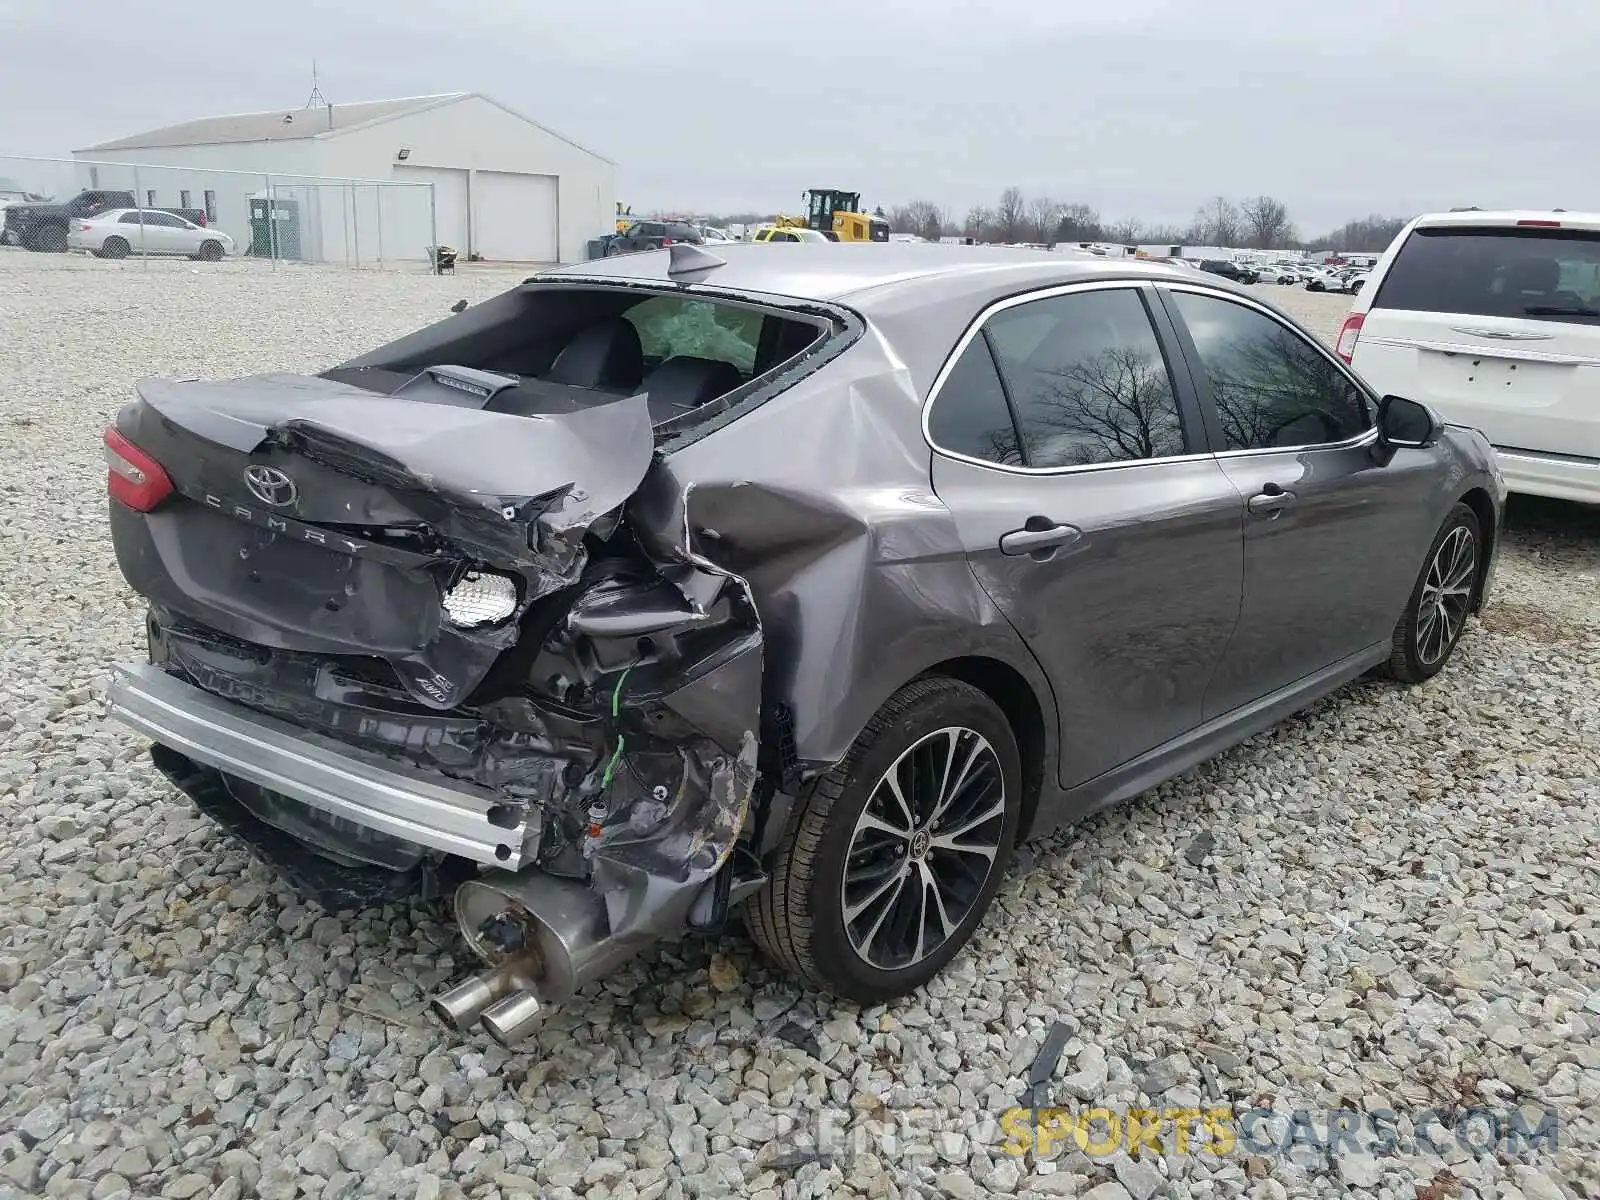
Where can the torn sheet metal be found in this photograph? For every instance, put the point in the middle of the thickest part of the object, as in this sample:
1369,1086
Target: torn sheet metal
388,503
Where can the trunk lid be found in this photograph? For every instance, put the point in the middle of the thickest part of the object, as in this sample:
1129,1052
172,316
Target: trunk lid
317,516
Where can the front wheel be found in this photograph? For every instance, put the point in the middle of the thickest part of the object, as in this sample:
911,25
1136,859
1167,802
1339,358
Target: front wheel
890,862
1355,289
1438,606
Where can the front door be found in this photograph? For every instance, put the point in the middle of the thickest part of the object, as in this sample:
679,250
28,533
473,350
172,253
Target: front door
1329,533
1091,512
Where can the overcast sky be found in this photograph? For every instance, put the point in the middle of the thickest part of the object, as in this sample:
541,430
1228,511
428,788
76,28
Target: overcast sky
1138,107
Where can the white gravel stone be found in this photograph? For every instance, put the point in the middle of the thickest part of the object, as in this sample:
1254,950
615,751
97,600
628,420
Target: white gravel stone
1394,903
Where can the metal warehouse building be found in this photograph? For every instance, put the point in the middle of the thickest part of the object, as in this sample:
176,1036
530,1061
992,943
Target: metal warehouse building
503,186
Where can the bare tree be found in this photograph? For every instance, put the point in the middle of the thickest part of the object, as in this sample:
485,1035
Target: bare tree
979,223
1217,222
1079,223
920,217
1126,231
1267,223
1042,212
1010,216
1372,234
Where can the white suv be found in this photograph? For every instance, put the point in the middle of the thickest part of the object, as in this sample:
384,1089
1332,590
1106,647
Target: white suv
1493,319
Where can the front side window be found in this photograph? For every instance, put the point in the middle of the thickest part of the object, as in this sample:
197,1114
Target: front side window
670,327
1087,380
1271,386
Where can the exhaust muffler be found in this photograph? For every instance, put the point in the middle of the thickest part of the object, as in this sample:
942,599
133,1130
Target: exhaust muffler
543,938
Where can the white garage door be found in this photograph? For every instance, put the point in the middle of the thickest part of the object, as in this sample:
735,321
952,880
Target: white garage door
449,199
514,217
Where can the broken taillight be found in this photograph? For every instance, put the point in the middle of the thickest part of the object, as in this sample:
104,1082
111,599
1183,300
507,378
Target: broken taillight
132,476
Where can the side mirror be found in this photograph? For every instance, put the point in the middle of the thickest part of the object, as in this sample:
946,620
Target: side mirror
1406,424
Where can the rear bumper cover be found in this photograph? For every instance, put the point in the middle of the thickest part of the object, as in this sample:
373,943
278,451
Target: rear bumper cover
453,818
1559,476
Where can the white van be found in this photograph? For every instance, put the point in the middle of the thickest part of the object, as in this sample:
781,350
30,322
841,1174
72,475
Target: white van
1493,319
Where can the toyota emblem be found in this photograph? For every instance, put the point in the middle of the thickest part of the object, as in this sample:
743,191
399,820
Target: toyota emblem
270,486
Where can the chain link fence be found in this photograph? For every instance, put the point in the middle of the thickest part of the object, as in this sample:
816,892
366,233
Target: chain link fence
147,210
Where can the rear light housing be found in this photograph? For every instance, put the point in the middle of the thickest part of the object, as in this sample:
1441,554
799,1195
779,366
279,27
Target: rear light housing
132,476
1541,224
84,226
1349,333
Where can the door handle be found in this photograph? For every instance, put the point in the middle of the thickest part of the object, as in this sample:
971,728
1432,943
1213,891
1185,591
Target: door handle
1270,500
1039,535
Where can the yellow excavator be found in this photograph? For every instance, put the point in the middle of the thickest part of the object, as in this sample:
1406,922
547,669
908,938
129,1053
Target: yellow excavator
837,216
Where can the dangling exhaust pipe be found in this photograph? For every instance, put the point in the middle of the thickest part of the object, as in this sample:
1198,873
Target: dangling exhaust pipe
543,937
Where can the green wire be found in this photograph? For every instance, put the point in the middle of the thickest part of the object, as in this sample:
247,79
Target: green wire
616,694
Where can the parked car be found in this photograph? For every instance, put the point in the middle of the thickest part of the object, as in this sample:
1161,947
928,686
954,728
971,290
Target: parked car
1354,282
1228,270
1280,274
711,233
791,234
1494,317
1320,279
652,235
45,226
624,637
123,231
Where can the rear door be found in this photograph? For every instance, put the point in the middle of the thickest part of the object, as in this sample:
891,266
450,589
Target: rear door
1074,462
1497,327
1332,539
132,228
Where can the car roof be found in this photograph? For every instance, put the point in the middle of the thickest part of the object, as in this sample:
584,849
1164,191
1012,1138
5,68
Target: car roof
1509,217
845,271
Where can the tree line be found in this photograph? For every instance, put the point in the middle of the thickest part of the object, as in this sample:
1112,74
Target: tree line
1258,222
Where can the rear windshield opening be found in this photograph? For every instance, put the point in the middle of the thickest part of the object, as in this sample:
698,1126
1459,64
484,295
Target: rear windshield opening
1527,273
565,348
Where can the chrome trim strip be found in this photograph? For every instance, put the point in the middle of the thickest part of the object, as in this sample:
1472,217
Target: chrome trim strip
1506,335
443,816
1520,355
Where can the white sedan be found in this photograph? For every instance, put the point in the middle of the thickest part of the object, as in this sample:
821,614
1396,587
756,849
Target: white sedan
119,232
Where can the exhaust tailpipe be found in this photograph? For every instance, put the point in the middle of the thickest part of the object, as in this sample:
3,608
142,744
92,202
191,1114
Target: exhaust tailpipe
512,1019
543,937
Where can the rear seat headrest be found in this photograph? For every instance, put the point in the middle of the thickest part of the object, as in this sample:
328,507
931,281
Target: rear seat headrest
605,355
685,382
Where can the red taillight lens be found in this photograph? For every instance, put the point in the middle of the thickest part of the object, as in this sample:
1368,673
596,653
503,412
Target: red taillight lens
1542,224
132,476
1345,347
84,226
666,241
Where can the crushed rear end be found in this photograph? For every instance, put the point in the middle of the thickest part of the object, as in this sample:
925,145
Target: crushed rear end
422,628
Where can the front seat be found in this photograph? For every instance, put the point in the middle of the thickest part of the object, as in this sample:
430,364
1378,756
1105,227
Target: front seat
606,355
1535,276
683,383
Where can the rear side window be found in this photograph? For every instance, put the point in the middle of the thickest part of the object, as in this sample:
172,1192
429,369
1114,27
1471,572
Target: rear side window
1087,380
1542,274
971,416
671,327
1272,388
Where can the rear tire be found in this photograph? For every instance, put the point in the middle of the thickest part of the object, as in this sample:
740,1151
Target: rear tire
52,239
114,247
863,910
210,251
1437,609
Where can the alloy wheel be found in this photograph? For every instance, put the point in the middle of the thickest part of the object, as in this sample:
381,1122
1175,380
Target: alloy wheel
1446,594
923,847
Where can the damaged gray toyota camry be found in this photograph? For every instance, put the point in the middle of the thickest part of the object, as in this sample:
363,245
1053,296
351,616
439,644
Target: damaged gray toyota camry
802,582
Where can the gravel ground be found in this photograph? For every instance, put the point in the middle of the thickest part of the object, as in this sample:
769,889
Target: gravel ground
1389,902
